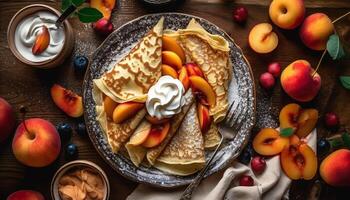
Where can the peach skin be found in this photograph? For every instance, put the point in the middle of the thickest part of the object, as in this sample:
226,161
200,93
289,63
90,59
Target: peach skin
335,168
156,135
262,39
172,59
68,101
315,31
155,120
287,14
300,81
170,44
125,111
203,117
141,134
202,85
268,142
26,195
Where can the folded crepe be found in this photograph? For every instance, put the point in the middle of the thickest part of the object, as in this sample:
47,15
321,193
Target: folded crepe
129,80
138,153
211,53
185,154
211,137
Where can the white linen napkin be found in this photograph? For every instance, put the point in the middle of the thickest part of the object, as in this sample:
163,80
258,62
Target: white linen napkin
271,184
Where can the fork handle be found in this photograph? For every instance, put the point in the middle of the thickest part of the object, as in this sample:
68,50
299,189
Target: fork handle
187,194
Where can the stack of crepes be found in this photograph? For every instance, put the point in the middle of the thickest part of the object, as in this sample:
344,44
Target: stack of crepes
182,152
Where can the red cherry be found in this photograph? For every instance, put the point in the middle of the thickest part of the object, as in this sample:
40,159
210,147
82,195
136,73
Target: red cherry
267,81
258,164
240,14
246,180
103,26
275,69
331,120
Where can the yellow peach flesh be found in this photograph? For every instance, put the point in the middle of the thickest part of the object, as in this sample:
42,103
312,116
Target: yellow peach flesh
262,39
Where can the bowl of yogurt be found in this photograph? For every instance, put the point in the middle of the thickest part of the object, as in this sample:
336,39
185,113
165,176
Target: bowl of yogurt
23,38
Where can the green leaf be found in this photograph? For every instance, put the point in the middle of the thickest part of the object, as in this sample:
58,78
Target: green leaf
87,15
346,139
65,4
345,81
77,3
287,132
334,47
336,143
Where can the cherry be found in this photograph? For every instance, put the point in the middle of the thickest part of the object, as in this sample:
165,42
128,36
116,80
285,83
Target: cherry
267,81
331,120
258,164
246,180
103,26
275,69
240,14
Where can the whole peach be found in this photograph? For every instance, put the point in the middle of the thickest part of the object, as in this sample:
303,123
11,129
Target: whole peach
300,81
37,147
316,30
26,195
7,119
287,14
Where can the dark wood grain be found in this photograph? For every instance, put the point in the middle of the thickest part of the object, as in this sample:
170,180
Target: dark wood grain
22,85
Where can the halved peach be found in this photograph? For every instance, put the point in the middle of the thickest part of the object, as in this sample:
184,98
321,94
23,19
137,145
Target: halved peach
154,120
202,85
172,59
194,70
170,44
68,101
156,135
104,6
299,161
289,116
268,142
109,106
203,117
125,111
167,70
183,77
141,133
307,122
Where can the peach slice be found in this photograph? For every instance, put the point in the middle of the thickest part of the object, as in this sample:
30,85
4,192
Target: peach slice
154,120
299,161
262,39
172,59
289,116
203,117
42,41
68,101
170,44
167,70
104,6
307,122
202,85
194,70
268,142
156,135
141,134
183,77
125,111
109,106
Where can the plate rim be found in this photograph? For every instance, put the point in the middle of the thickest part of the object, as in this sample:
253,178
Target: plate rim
87,74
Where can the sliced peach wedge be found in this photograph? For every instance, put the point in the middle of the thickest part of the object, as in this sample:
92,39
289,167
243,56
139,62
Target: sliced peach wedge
307,122
125,111
109,106
68,101
156,135
172,59
298,160
194,70
268,142
183,77
167,70
170,44
203,117
141,134
202,85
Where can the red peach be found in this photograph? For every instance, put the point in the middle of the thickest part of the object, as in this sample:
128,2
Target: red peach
26,195
287,14
7,119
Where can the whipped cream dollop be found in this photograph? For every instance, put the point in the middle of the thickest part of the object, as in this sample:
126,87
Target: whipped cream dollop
30,27
165,98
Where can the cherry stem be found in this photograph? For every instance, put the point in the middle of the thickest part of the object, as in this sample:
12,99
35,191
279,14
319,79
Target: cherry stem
24,111
339,18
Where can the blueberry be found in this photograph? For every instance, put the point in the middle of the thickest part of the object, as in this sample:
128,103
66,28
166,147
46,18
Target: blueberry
65,131
323,146
71,151
80,64
81,129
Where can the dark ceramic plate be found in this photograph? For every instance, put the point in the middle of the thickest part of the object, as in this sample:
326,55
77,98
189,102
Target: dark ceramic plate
241,91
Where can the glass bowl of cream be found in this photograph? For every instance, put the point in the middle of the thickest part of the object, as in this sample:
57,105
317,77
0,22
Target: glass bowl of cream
23,31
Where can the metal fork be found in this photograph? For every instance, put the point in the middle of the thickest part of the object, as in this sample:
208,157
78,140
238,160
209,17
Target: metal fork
227,133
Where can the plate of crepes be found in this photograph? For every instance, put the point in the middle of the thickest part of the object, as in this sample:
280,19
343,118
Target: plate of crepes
155,93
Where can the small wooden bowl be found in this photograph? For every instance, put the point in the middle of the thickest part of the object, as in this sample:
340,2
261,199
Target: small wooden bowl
53,62
77,164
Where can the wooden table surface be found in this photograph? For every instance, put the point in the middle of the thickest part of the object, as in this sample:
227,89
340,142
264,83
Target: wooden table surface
22,85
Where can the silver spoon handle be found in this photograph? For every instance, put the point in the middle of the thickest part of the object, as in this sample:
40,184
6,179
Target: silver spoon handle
187,194
65,14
